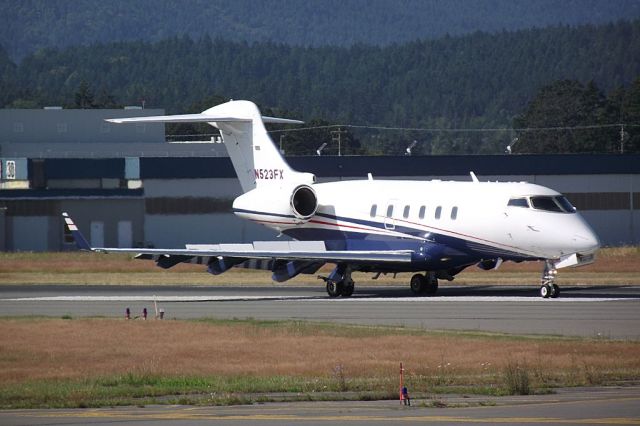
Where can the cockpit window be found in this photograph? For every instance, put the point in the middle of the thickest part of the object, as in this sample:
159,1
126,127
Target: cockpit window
558,204
547,204
565,204
518,202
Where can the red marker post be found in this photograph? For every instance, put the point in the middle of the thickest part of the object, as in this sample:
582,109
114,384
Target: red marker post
401,383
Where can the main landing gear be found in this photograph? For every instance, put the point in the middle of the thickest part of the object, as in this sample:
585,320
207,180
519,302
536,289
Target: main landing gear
339,282
549,287
424,284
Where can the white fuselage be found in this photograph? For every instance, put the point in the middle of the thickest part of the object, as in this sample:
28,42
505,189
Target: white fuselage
472,214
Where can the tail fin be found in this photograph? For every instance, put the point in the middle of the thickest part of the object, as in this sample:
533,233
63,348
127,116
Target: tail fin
80,240
255,158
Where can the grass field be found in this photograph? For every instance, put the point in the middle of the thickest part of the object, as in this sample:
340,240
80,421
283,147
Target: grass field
613,266
98,362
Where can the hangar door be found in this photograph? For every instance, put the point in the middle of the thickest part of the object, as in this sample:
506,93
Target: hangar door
97,234
125,234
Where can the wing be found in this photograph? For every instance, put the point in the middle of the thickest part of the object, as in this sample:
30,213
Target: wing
285,258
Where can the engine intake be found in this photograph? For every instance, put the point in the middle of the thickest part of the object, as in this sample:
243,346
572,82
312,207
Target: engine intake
304,202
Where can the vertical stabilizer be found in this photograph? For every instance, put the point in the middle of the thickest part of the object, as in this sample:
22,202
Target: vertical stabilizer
254,156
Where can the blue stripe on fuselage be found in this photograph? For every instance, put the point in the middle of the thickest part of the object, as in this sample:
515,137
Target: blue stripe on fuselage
434,246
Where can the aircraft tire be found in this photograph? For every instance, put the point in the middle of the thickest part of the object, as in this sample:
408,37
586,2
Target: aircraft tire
432,286
418,283
334,289
347,289
555,291
545,291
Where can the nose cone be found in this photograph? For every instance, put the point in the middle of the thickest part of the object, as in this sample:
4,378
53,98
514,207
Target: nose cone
585,239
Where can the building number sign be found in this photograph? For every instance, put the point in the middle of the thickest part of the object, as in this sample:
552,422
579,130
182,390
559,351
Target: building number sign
10,169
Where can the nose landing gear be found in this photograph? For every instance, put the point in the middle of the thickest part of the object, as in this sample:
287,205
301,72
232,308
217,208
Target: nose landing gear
549,287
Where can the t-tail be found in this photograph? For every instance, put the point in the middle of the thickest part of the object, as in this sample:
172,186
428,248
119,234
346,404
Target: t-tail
255,158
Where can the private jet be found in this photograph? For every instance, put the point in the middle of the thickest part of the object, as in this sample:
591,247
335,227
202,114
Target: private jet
434,229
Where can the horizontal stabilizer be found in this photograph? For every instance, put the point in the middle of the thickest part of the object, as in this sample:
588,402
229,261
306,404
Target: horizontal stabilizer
199,118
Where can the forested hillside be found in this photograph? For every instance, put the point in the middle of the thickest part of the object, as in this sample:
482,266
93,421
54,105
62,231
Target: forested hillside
28,25
475,81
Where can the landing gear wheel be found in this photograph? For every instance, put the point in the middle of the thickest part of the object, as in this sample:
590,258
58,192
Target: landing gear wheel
432,284
545,291
549,287
418,283
347,289
339,282
334,289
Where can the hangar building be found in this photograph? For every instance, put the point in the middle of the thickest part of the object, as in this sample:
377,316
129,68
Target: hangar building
127,186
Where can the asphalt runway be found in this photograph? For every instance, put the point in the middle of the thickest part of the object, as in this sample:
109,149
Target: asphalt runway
590,311
592,406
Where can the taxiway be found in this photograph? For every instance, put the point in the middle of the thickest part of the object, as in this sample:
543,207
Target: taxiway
588,311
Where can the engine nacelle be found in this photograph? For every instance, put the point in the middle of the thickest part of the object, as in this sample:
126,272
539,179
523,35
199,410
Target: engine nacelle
299,202
304,202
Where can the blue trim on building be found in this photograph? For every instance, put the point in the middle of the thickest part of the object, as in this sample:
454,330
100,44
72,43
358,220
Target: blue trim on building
440,165
82,168
185,168
16,194
353,166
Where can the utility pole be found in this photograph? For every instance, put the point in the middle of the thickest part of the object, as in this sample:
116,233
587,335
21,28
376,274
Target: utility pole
621,138
336,136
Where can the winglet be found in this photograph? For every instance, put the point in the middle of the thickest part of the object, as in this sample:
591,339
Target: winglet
80,240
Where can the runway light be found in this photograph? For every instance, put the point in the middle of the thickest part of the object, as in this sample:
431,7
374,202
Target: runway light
144,313
127,314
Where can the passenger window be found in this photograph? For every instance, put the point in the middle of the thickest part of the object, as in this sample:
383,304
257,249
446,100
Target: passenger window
438,212
390,210
545,203
373,210
518,202
454,213
422,212
405,214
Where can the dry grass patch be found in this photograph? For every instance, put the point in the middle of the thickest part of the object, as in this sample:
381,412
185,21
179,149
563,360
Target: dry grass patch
40,349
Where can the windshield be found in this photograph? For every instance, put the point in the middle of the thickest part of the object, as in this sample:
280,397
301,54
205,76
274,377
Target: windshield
557,204
565,204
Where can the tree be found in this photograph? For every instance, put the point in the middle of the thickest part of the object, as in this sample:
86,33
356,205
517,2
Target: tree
631,116
84,96
570,113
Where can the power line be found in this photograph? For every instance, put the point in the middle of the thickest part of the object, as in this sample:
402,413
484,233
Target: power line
437,129
458,130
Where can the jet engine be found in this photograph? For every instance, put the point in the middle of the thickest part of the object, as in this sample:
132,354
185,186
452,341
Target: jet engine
304,202
299,202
